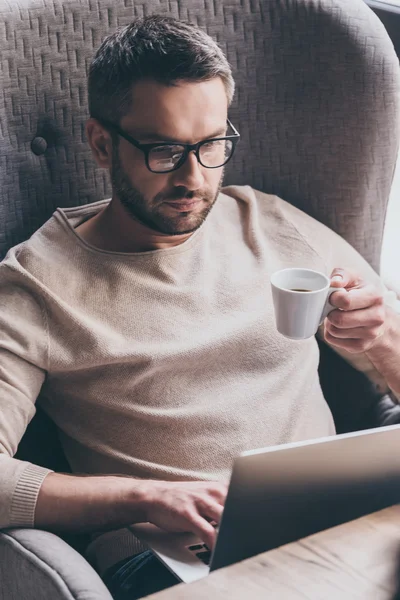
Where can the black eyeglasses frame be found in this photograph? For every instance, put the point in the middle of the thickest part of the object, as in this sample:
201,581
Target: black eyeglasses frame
147,148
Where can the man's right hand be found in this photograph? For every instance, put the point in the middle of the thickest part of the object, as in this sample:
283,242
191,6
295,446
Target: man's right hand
185,506
100,503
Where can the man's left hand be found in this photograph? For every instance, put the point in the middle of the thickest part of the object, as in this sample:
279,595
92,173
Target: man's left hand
361,317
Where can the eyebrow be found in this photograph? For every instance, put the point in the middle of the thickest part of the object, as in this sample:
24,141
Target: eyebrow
158,137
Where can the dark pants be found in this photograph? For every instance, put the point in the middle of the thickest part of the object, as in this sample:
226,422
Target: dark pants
138,576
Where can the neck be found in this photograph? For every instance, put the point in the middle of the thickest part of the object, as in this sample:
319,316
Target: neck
115,230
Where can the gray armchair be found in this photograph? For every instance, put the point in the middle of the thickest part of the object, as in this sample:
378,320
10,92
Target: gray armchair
318,108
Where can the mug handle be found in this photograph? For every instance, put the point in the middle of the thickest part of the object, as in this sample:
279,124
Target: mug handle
328,306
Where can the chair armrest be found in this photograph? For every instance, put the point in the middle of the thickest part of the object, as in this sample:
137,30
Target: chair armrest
38,564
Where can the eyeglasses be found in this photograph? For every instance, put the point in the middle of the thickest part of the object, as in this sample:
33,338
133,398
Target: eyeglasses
164,157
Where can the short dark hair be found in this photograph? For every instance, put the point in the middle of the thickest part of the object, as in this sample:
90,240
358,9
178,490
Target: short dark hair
154,47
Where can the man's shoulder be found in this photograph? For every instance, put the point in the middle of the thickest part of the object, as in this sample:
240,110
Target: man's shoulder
271,206
37,252
277,216
49,246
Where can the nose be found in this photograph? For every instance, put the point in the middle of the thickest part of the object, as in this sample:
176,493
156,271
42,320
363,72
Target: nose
190,174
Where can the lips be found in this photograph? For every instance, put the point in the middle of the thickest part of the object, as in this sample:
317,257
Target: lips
184,204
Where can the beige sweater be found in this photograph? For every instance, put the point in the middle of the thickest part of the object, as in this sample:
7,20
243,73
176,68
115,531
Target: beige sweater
162,364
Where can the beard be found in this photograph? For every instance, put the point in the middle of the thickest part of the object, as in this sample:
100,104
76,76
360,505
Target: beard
151,213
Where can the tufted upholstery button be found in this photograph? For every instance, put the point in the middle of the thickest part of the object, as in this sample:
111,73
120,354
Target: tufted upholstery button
38,145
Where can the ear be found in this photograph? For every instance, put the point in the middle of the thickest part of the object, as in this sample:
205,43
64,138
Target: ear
100,142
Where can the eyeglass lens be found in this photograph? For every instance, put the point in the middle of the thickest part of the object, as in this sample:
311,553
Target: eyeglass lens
212,154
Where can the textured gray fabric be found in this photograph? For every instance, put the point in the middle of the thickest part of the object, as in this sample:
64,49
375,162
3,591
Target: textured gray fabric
317,105
37,565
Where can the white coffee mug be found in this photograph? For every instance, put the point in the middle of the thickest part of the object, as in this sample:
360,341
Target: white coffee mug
301,301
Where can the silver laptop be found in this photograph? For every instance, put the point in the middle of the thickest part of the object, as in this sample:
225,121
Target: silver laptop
280,494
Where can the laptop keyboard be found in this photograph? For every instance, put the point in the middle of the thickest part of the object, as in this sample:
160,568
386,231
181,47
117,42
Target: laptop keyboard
202,551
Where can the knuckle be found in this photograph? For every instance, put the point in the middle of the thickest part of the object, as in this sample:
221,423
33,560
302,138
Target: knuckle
333,331
345,302
187,512
339,271
328,335
341,319
337,318
375,331
331,319
204,504
190,515
199,499
369,335
380,315
218,491
360,345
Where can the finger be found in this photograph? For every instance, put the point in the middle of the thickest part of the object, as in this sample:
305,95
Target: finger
350,345
344,278
203,529
219,492
211,510
373,316
358,333
356,298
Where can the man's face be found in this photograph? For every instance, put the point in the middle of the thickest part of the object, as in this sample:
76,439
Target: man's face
186,113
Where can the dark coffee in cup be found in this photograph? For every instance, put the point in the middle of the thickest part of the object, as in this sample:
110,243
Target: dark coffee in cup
298,290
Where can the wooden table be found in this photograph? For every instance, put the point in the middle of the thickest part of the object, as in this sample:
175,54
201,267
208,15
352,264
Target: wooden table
359,560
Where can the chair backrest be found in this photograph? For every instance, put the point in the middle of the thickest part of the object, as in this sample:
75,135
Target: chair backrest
317,105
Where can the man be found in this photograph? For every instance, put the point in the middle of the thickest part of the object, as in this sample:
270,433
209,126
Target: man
146,323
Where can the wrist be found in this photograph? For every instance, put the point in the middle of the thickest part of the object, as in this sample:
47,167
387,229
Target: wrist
385,353
140,498
385,344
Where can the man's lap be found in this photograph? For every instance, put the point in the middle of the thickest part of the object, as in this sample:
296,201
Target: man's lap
137,577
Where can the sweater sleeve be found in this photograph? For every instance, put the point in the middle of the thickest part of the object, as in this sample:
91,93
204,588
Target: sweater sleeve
23,363
336,252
